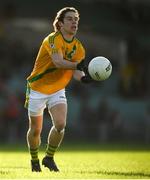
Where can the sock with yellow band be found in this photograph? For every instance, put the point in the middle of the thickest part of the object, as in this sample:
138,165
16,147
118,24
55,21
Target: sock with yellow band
34,154
50,150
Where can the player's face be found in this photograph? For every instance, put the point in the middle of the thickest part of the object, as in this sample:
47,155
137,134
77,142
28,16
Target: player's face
70,23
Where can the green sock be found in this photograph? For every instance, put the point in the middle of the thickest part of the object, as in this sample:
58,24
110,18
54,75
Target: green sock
34,154
50,150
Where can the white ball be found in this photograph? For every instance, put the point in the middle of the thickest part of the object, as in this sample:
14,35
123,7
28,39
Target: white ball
99,68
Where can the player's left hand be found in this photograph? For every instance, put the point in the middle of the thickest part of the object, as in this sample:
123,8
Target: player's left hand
81,66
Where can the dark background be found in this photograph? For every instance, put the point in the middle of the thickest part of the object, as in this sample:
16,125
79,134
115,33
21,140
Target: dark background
116,110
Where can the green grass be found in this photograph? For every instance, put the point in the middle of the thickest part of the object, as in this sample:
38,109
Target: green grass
79,162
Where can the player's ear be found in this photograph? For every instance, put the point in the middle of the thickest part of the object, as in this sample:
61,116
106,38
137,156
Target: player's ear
60,24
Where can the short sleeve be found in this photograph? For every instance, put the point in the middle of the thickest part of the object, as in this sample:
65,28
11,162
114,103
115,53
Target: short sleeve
53,45
80,52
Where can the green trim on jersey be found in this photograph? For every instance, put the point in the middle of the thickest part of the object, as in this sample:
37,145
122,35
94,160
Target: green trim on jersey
39,76
78,41
71,53
27,96
51,38
68,41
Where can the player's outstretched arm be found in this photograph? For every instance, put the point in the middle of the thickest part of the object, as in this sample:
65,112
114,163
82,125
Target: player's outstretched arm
61,63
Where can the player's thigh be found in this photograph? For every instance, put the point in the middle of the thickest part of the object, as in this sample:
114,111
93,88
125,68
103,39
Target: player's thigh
58,114
36,107
57,106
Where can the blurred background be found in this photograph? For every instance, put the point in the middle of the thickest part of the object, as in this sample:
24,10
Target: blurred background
116,110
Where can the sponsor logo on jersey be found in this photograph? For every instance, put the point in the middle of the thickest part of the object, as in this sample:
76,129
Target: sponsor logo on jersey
52,45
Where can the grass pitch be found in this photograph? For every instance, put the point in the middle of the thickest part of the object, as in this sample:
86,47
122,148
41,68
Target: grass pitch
86,161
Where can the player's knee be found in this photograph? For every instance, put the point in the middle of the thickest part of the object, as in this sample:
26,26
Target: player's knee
60,126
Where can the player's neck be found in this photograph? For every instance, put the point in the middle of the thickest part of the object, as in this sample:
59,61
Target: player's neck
67,36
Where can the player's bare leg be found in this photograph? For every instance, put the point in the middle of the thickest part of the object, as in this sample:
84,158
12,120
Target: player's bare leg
56,134
34,140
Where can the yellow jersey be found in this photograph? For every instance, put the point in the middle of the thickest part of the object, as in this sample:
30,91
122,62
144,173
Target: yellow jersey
46,78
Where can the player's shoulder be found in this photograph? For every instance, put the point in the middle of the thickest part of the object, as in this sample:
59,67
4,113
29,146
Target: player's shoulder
52,37
78,42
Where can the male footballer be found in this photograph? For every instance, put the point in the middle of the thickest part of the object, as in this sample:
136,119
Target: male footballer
60,58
